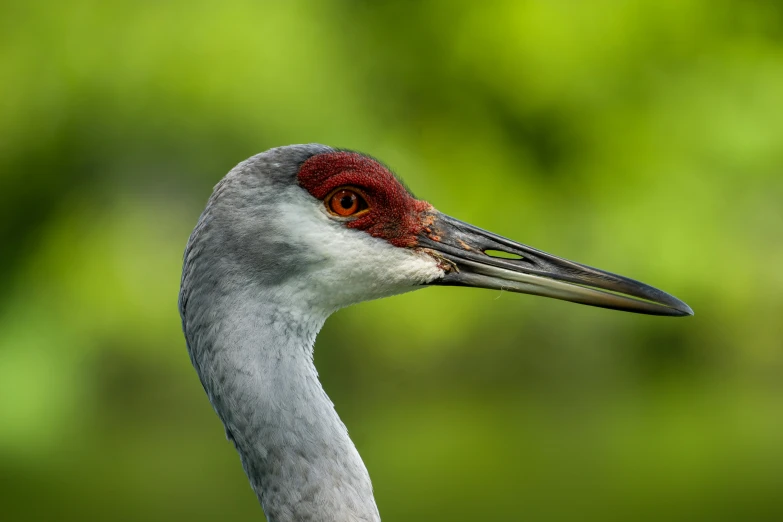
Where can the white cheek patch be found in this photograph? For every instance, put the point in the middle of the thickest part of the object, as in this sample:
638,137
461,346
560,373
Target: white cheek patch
346,266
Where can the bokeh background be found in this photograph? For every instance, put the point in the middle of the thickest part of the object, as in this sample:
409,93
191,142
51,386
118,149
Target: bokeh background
641,136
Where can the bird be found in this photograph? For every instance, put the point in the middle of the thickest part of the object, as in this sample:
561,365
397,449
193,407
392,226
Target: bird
293,234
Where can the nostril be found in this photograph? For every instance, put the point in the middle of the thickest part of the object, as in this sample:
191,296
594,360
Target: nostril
502,254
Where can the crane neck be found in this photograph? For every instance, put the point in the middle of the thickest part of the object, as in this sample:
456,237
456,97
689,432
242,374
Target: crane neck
255,359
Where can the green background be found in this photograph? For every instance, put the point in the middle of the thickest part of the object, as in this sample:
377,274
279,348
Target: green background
644,137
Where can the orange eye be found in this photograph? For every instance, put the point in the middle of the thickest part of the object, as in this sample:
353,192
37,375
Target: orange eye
345,202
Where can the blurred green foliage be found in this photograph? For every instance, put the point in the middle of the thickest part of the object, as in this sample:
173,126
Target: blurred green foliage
641,136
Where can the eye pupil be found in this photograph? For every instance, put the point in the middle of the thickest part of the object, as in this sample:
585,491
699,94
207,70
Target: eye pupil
347,201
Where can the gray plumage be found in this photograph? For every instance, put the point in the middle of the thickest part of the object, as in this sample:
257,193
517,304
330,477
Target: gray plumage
252,300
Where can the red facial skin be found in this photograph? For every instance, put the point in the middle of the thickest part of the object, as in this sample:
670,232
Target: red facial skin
393,214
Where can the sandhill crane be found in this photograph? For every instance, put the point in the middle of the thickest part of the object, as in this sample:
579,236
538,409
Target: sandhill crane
288,237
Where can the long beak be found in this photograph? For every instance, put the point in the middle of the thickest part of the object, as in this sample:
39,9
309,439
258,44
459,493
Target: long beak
473,258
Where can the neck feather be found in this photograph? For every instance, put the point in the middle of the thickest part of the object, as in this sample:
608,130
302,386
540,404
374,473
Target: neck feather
256,364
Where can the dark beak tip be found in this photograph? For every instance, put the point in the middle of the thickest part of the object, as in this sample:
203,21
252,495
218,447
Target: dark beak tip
676,307
685,310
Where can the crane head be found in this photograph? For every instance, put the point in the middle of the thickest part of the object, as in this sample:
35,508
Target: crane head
336,227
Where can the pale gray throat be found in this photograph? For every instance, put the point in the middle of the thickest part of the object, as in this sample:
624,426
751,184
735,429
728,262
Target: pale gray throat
255,360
